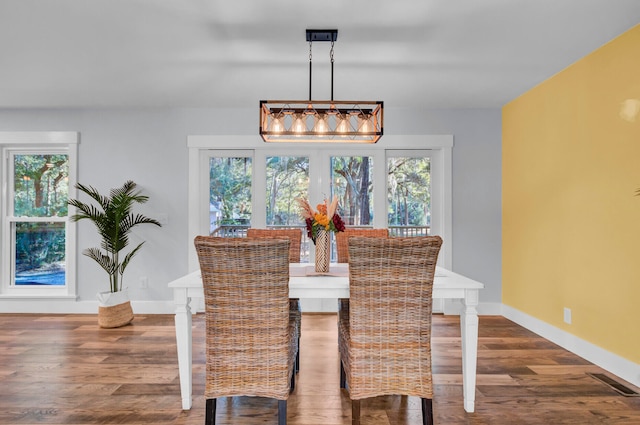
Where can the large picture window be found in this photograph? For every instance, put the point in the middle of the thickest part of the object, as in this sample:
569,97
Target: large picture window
402,183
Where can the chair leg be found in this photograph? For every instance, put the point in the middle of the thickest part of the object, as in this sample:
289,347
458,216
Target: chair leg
292,383
343,376
282,412
298,357
355,412
210,413
427,411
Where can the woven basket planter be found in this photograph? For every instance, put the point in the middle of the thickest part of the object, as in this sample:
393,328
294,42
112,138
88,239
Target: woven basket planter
114,309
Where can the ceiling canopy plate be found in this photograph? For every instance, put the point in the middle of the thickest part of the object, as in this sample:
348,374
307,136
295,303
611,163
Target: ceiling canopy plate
322,35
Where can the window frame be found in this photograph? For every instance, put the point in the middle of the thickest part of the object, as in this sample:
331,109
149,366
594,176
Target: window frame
36,143
439,147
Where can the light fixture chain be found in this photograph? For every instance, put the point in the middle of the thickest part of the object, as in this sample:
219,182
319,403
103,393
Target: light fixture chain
310,57
331,57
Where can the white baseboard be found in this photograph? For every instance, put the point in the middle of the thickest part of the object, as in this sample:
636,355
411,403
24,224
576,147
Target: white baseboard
619,366
71,306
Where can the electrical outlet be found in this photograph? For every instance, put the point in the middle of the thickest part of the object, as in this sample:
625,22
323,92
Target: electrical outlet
144,282
567,315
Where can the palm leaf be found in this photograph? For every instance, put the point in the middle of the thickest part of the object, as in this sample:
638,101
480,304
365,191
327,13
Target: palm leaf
103,260
128,257
133,220
114,220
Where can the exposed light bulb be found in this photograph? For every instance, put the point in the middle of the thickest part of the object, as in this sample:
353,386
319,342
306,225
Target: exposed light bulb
366,126
343,126
321,125
276,125
298,125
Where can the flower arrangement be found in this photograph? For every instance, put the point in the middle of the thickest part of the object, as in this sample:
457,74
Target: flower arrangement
325,217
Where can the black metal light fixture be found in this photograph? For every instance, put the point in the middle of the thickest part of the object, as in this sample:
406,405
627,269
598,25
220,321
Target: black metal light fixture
304,121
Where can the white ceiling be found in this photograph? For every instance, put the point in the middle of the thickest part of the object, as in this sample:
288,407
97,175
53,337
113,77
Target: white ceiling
211,53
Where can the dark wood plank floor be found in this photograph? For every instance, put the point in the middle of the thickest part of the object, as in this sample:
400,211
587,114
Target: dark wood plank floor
63,369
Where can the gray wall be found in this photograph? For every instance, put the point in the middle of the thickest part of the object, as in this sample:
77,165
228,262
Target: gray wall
149,147
477,189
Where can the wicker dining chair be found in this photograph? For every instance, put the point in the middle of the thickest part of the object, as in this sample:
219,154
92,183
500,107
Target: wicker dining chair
385,340
342,248
295,238
251,341
342,240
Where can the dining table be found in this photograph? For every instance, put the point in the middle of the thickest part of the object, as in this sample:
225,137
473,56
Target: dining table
305,283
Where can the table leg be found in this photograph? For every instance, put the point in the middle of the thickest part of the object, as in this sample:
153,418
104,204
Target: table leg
469,338
183,342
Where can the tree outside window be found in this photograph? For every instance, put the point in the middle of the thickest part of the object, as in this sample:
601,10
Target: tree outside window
41,190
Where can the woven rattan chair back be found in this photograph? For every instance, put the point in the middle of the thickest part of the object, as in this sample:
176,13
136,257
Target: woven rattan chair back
386,338
342,240
294,236
250,338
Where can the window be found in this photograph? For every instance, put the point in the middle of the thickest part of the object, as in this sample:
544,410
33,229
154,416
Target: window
352,183
229,192
38,240
40,192
409,194
401,182
287,178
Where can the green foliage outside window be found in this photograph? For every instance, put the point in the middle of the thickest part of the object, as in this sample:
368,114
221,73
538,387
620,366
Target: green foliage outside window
41,185
41,189
351,183
230,190
409,196
287,179
40,246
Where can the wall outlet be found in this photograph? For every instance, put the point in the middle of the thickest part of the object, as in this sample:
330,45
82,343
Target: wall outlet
567,315
144,282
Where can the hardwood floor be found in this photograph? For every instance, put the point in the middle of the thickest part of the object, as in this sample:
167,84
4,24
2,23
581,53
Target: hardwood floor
63,369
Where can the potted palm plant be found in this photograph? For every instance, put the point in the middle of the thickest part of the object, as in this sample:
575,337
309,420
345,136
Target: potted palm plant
114,219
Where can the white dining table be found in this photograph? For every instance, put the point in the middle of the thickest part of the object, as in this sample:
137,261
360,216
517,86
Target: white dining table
305,283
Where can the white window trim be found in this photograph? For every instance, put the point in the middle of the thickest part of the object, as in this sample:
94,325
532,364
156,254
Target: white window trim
66,141
441,168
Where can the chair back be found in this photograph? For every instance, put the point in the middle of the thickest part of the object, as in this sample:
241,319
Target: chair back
248,338
294,236
391,283
342,240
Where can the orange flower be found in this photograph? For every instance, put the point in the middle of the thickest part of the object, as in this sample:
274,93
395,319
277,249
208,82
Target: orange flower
326,217
322,220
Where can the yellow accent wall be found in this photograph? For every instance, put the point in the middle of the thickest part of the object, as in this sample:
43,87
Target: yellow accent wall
571,220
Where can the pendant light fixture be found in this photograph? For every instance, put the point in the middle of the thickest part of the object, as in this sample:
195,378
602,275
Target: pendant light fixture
304,121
